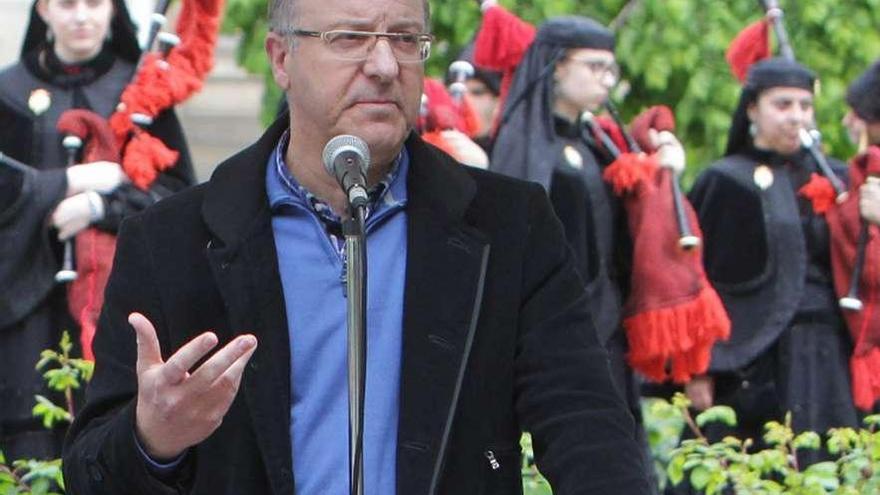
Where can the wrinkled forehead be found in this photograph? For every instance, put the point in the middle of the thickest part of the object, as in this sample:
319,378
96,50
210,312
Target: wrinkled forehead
368,15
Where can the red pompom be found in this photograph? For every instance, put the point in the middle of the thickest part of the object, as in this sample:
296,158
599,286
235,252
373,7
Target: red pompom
750,45
820,192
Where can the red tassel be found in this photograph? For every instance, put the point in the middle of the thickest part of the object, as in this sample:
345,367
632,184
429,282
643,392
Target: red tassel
145,157
820,192
865,372
501,44
750,45
628,171
677,337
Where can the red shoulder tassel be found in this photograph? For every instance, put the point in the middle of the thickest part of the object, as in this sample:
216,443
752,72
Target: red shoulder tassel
750,45
820,192
628,171
145,157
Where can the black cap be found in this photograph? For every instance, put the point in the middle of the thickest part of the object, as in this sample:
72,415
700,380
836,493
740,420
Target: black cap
863,94
123,35
575,32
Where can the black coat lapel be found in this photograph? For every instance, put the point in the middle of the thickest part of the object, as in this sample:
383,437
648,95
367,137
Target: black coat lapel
245,265
446,264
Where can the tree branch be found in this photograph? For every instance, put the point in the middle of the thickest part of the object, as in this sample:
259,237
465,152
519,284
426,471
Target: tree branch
625,13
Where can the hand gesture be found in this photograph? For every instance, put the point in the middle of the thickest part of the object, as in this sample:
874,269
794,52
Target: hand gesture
176,408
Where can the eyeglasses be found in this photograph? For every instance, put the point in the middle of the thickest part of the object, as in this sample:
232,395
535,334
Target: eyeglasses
600,67
357,45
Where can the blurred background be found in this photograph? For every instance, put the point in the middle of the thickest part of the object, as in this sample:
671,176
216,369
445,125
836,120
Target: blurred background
670,51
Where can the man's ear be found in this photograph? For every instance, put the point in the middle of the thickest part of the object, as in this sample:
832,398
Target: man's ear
278,50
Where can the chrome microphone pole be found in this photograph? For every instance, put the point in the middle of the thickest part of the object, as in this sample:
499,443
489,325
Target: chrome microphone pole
356,295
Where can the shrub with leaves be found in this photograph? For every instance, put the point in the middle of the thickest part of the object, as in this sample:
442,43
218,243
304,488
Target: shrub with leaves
63,374
730,466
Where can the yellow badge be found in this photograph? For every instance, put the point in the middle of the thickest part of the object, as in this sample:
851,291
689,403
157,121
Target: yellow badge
573,157
763,177
39,101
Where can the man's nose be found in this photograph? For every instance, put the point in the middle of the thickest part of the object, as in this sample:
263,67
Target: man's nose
381,63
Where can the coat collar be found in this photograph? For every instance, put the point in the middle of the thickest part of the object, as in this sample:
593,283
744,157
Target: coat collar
435,182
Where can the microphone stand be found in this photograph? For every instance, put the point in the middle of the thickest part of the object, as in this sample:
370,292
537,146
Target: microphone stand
356,296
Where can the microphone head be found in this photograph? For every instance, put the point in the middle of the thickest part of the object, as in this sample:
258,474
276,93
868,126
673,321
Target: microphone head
347,144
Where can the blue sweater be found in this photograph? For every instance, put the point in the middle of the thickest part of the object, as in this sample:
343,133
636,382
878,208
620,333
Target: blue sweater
310,261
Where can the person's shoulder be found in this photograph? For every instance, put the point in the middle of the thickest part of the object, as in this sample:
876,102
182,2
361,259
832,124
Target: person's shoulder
176,208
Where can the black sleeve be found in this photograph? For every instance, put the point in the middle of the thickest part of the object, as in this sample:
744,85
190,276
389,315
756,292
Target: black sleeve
100,453
129,199
584,435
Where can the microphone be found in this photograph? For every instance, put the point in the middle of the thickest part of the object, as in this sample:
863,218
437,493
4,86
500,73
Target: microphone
347,158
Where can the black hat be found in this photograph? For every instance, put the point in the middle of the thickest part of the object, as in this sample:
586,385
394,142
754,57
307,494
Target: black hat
575,32
527,134
863,94
774,72
123,40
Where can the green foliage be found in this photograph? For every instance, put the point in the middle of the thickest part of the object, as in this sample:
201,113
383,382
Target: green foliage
65,374
729,465
671,52
533,482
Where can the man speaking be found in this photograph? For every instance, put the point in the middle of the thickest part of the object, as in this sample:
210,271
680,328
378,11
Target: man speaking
233,380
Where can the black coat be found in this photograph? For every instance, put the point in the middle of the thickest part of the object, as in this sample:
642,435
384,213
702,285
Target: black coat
496,339
768,256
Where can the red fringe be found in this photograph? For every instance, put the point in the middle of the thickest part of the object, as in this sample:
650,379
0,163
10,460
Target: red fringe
750,45
628,171
145,157
162,84
820,192
865,372
677,341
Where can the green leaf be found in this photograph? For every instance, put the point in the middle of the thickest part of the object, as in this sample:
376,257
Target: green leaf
807,440
717,414
675,469
700,477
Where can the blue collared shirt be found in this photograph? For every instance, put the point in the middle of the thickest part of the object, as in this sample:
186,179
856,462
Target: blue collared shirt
311,261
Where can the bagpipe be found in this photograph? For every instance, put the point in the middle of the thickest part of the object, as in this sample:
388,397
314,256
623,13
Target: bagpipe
445,109
672,315
161,80
855,250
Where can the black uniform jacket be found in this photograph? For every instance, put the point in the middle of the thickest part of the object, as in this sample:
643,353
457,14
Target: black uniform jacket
755,254
496,338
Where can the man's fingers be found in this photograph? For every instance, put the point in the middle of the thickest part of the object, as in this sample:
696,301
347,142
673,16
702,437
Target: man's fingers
220,362
233,373
179,364
148,351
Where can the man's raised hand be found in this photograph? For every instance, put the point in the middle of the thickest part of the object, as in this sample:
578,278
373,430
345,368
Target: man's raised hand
176,408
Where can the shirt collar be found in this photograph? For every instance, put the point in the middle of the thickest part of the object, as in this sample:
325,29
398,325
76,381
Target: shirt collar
282,188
